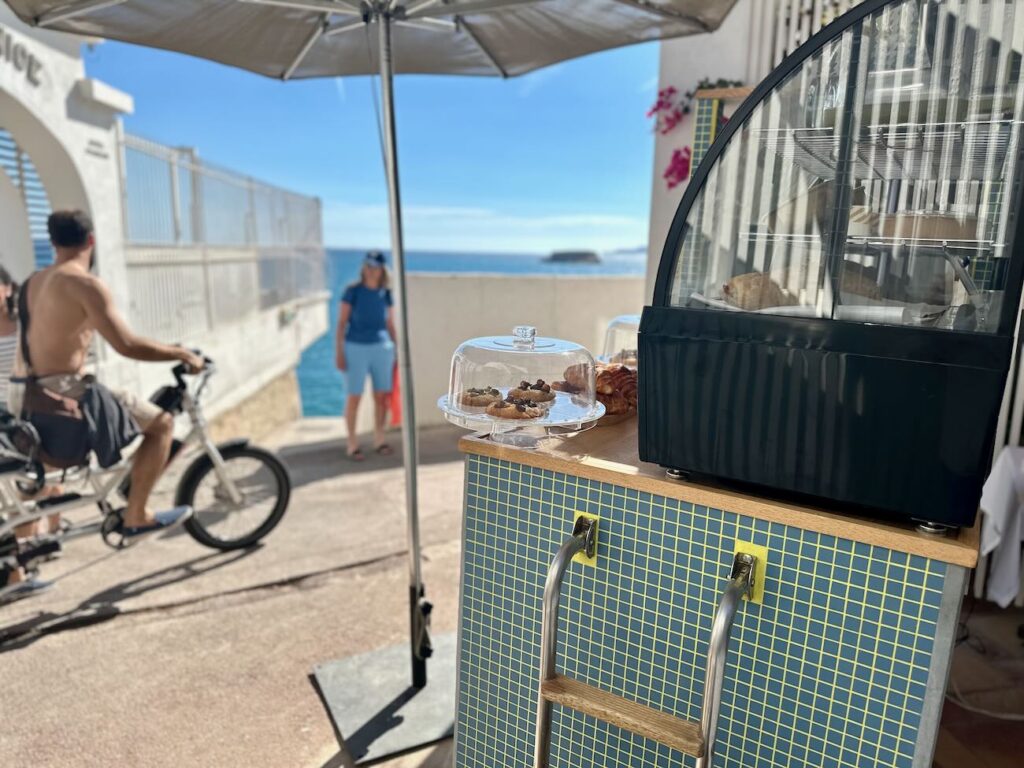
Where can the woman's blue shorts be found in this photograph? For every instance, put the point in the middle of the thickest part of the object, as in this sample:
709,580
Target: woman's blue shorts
374,360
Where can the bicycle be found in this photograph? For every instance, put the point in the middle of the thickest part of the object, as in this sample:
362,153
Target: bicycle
227,484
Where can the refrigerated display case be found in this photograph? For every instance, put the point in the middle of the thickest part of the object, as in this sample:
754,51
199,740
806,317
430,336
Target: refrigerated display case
836,302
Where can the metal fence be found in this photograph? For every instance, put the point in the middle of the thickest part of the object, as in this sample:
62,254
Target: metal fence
206,246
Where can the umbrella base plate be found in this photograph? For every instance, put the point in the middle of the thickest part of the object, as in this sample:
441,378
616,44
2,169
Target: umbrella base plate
376,712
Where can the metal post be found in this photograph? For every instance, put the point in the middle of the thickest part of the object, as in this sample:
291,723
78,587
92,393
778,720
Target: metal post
172,163
419,609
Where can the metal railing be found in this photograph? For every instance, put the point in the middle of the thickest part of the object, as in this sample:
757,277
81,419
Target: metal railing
206,246
690,738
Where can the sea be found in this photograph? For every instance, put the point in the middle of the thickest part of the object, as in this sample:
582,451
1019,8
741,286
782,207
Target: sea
322,386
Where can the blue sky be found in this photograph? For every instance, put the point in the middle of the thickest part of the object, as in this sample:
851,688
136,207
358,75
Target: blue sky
560,158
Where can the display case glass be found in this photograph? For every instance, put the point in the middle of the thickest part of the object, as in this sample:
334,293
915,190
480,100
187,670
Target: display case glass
834,312
522,386
874,182
620,341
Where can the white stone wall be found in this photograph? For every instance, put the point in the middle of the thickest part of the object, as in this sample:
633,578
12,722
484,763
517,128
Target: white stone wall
249,355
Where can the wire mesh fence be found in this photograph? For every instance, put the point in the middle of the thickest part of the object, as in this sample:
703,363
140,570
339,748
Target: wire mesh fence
206,245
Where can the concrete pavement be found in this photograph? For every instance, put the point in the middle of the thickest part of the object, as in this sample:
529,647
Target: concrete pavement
170,654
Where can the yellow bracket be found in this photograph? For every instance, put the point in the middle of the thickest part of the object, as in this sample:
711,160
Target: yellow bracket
760,567
581,557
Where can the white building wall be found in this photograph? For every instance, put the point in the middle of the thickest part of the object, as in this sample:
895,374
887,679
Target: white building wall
69,126
728,53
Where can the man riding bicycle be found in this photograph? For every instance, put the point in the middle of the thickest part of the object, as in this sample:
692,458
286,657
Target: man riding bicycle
61,308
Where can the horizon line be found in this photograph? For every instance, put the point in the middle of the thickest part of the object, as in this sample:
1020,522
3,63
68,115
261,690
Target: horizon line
631,249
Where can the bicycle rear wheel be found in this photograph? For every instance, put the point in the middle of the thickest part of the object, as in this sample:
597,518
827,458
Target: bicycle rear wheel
218,522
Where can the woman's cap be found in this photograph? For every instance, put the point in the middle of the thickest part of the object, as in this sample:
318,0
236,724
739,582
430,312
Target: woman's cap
375,259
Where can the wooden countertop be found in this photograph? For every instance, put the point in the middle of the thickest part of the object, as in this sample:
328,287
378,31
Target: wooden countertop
609,454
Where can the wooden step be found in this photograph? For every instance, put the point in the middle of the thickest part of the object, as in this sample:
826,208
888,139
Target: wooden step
629,715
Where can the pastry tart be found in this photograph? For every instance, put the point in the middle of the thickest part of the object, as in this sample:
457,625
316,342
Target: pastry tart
540,392
515,408
480,398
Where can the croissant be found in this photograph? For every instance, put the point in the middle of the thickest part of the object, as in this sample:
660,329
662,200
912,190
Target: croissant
576,376
614,378
755,290
615,404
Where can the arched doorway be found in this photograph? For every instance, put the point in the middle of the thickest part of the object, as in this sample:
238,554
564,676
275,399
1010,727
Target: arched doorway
37,174
24,208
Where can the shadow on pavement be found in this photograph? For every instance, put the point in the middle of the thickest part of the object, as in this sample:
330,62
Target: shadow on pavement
103,605
312,462
440,756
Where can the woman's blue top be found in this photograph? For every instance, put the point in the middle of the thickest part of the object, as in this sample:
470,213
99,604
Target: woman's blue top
368,322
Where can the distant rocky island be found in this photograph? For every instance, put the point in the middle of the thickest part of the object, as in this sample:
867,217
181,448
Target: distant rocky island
637,249
574,257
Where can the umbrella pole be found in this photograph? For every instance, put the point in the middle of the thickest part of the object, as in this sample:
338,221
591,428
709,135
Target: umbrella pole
419,608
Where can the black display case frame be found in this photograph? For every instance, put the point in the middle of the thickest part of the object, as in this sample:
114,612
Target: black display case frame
765,401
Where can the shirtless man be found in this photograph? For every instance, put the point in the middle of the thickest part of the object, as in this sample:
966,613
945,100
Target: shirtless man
66,305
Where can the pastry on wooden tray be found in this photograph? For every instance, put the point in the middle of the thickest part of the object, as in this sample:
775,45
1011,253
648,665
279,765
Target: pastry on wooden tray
613,378
616,387
565,386
578,376
628,357
755,290
539,392
515,408
479,397
615,404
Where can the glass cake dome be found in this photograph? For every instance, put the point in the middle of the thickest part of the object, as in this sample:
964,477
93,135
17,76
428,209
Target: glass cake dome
621,341
521,387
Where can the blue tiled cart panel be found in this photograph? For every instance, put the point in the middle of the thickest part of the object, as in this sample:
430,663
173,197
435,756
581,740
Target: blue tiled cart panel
830,671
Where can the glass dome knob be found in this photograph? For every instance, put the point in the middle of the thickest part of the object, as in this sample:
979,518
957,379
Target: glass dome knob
524,336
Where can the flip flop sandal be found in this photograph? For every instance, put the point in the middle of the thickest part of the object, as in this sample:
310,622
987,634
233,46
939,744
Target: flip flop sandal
162,521
384,450
28,588
356,455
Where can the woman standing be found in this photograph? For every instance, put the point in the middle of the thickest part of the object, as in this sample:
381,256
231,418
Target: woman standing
366,347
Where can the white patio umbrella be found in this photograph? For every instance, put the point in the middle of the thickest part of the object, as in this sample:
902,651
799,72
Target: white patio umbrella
290,39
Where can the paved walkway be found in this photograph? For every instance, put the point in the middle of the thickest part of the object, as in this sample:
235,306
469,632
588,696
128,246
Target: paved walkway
169,654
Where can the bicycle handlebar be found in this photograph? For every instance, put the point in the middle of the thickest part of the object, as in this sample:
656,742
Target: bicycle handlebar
180,371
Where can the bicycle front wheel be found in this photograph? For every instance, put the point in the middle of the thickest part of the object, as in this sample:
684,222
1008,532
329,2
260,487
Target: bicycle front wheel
222,523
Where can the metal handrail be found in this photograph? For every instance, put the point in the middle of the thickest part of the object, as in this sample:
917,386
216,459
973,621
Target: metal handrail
741,583
584,539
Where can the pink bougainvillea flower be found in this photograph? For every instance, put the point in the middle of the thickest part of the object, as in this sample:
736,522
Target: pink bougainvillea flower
671,120
664,101
678,169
